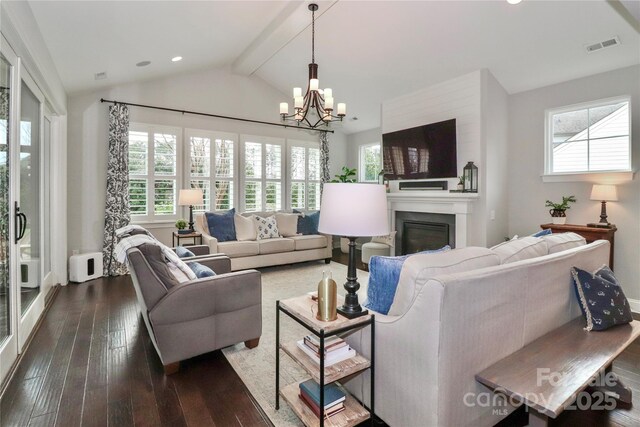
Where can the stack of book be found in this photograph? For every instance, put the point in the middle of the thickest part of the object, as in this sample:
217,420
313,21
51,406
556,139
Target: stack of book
335,349
333,398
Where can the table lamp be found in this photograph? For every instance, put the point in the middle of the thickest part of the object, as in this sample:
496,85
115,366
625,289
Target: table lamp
189,198
353,210
603,193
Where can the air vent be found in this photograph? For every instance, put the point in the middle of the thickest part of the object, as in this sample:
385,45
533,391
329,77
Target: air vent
101,76
601,45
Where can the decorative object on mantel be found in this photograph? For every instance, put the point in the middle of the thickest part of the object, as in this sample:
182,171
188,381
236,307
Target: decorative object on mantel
315,101
181,225
190,198
353,210
603,193
327,298
470,177
460,183
382,180
558,210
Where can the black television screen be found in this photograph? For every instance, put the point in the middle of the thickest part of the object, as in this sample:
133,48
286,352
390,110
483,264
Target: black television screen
422,152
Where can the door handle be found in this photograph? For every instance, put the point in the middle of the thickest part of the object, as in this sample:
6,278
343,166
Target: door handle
21,223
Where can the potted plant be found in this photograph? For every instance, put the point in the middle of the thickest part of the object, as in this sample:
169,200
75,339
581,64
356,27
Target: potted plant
348,175
460,183
181,225
558,210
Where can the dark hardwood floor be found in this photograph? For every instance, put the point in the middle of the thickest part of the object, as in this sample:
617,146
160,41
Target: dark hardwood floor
91,363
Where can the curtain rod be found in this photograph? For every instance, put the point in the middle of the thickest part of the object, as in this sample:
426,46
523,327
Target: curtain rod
197,113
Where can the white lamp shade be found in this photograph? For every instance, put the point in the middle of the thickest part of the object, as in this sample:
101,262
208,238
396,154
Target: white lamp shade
606,193
354,210
190,197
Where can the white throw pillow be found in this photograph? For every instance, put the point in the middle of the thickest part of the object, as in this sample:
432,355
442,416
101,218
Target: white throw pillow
266,228
389,239
245,228
558,242
287,224
519,249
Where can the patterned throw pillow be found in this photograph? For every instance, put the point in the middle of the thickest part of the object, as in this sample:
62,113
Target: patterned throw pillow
601,298
266,228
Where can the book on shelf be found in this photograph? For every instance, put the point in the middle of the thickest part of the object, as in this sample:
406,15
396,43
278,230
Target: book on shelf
330,344
332,394
331,358
335,409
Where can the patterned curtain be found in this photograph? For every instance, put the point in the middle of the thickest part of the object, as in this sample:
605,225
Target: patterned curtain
116,213
325,174
4,194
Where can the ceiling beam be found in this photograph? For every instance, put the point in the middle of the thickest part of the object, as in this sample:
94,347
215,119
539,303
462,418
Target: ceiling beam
629,10
293,20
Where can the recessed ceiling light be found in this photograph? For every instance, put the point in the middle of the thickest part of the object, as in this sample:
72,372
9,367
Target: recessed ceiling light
101,76
143,63
513,1
354,118
176,59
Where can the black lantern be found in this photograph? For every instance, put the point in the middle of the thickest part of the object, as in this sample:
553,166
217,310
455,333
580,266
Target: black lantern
470,175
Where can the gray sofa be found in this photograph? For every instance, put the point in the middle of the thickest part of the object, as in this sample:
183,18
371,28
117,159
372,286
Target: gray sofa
198,316
265,253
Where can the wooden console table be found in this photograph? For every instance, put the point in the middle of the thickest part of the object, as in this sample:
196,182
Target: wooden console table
591,234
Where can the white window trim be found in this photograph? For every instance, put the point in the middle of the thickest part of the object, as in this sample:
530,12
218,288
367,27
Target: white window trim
212,135
242,179
289,180
150,129
613,177
361,168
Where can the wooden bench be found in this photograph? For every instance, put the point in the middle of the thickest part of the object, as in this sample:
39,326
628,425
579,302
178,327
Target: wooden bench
548,374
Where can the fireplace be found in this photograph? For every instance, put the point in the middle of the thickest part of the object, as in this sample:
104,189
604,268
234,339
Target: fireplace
417,231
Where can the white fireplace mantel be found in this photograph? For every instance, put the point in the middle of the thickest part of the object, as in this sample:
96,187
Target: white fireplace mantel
440,202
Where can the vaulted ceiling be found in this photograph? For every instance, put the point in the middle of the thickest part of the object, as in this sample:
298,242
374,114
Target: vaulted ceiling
367,51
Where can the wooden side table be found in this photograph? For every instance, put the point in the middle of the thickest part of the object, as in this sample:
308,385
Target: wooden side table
195,235
591,234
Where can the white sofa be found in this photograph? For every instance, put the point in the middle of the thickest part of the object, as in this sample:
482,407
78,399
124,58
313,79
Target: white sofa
448,328
268,252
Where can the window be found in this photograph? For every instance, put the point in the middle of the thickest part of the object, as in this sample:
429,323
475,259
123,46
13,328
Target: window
211,168
153,171
304,177
370,162
586,138
262,165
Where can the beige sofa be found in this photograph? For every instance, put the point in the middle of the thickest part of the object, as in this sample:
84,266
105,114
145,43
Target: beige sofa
269,252
447,328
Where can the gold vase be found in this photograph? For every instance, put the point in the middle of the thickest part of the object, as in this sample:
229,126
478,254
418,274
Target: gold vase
327,299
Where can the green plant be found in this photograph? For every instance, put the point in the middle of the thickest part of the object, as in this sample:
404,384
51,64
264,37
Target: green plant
181,224
348,175
561,206
461,180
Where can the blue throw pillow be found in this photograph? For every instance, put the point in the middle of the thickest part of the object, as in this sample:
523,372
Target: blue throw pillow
201,270
601,299
541,233
308,223
221,225
384,273
183,252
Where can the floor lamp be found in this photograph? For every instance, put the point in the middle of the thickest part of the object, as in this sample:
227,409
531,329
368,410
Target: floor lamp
353,210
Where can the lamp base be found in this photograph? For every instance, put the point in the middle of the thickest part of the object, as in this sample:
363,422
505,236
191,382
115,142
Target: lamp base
352,312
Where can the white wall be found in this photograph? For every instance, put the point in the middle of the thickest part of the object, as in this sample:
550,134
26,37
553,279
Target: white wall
356,140
211,91
527,192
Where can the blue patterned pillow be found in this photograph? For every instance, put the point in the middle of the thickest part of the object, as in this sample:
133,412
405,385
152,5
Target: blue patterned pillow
384,273
222,225
308,223
541,233
200,270
601,298
183,252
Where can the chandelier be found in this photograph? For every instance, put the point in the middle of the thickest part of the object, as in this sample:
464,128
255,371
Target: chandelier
316,102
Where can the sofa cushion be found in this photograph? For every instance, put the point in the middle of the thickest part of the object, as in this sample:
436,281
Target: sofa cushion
559,242
221,225
418,269
303,243
602,300
308,223
245,228
384,272
276,245
234,249
201,271
287,224
266,228
519,249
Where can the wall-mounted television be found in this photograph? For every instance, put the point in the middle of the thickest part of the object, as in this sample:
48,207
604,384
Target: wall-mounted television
422,152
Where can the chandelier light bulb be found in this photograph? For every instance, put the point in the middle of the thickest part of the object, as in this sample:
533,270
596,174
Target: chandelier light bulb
297,92
284,108
299,101
328,103
314,84
342,109
513,1
298,116
328,93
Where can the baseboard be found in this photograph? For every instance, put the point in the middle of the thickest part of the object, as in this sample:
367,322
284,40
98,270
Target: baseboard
634,304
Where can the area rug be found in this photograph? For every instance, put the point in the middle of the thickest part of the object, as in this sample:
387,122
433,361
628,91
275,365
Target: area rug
256,367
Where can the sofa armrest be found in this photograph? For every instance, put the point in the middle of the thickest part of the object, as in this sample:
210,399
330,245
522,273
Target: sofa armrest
199,250
210,241
202,298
